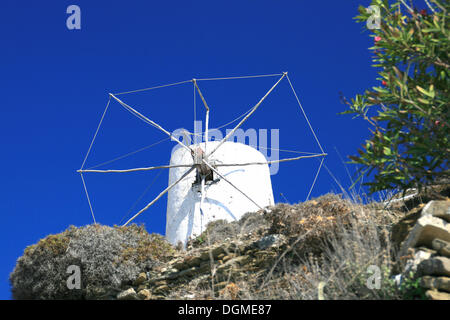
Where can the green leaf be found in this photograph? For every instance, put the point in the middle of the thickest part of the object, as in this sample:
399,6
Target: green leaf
425,92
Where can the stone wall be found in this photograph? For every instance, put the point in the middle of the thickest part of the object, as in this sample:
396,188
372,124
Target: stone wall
426,249
224,262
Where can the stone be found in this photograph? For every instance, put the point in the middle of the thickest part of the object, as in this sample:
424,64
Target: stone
241,260
228,257
129,294
194,262
418,257
162,289
437,208
204,267
217,251
426,229
141,278
141,287
181,265
205,255
401,229
438,266
436,283
445,251
442,247
431,251
160,283
398,278
173,262
436,295
272,240
145,294
183,273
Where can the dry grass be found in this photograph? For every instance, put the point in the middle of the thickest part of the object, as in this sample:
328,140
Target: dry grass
331,244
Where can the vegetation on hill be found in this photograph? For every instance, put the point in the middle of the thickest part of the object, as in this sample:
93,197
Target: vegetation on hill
107,257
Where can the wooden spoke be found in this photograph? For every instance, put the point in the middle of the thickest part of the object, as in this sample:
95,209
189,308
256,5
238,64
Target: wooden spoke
159,196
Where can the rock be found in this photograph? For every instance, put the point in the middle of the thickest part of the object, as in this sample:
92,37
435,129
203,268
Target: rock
440,209
129,294
419,256
194,262
436,295
425,231
142,277
204,267
181,265
144,294
398,278
436,283
160,283
438,266
238,246
445,251
217,251
234,263
189,296
442,247
401,229
272,240
205,255
228,257
162,289
141,287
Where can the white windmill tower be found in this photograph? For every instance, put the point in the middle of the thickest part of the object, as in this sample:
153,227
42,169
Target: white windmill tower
210,180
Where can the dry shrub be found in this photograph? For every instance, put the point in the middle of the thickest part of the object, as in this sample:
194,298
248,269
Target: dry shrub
338,268
108,258
313,221
217,231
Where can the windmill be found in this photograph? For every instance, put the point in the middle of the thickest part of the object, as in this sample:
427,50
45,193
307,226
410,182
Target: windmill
201,187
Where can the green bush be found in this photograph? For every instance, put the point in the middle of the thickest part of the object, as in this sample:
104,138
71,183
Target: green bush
409,111
107,257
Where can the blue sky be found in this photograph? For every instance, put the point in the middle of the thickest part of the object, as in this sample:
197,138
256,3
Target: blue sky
54,85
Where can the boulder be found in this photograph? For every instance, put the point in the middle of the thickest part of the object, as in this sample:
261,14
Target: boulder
425,231
142,277
436,295
128,294
435,283
439,209
272,240
442,247
419,256
438,266
144,294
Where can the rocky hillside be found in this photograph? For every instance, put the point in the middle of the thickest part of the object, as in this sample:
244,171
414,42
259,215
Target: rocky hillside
326,248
